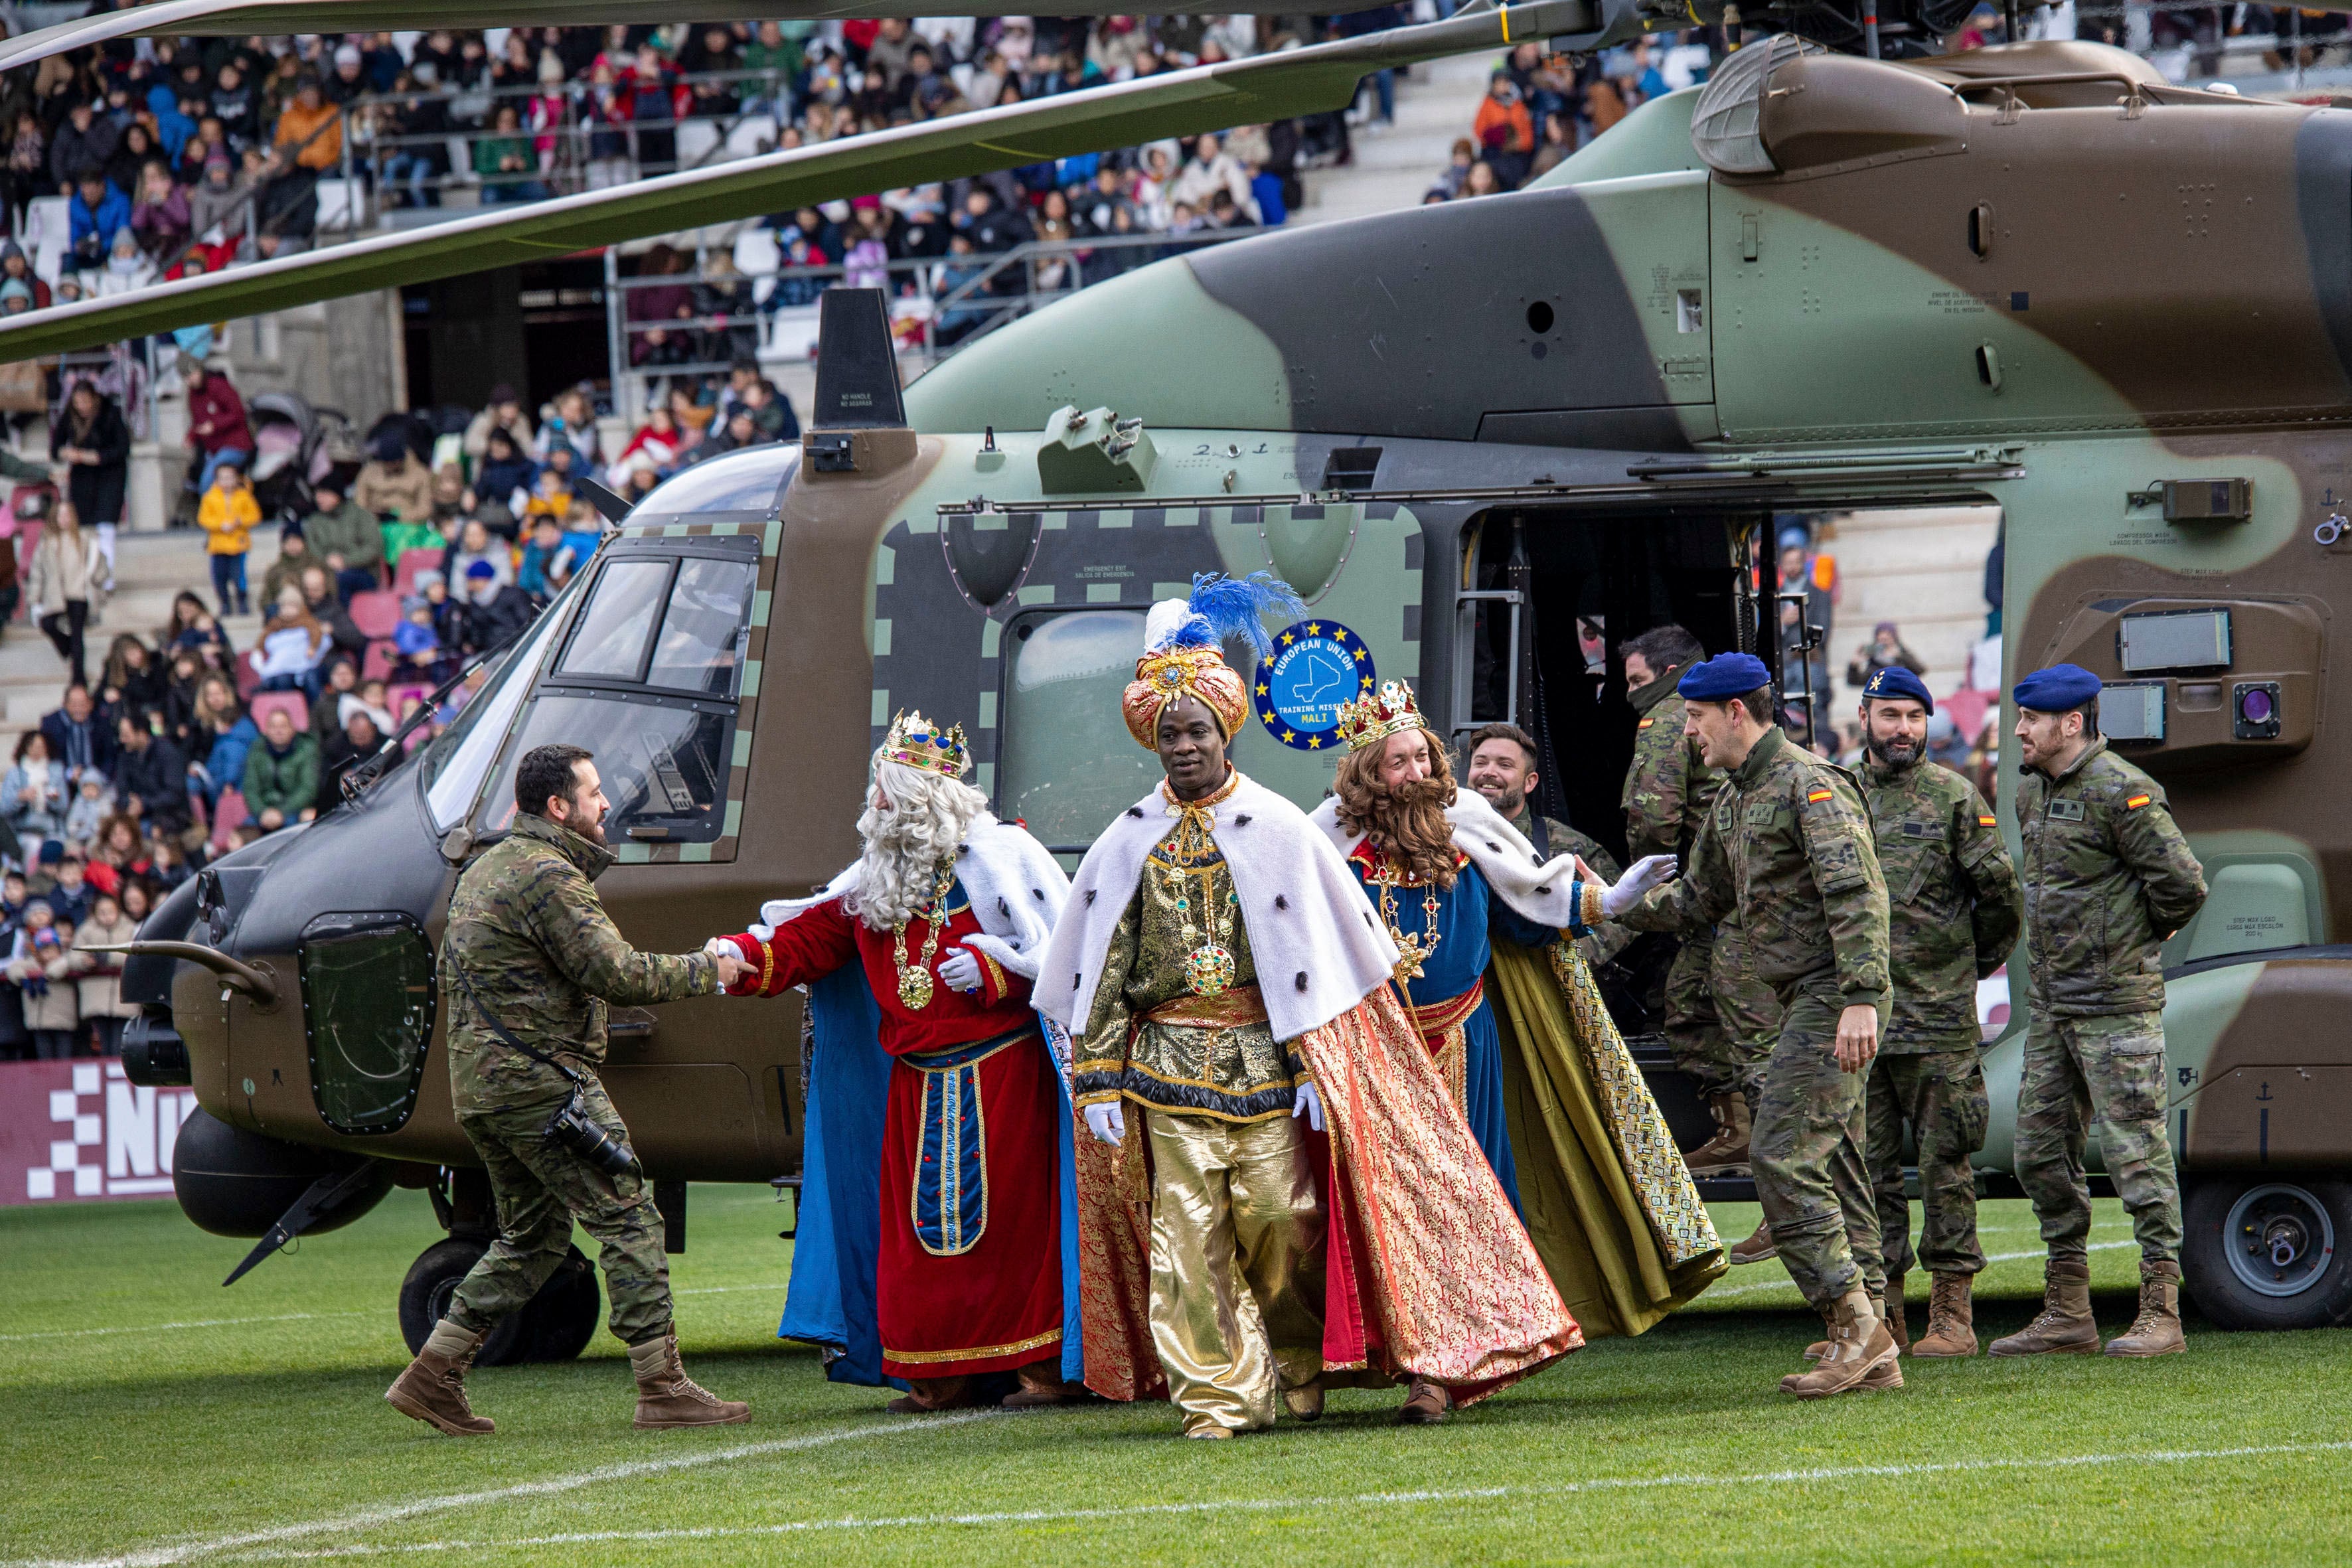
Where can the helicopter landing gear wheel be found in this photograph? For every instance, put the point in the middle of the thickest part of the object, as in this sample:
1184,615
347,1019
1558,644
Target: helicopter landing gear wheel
555,1325
2268,1253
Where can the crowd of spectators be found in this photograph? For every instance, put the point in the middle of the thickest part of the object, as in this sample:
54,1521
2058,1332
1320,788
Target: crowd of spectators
1541,107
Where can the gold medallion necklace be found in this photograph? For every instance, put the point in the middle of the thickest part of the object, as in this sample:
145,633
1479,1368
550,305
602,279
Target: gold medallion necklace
914,984
1413,953
1210,967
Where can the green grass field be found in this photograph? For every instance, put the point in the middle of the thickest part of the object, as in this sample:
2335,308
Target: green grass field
152,1417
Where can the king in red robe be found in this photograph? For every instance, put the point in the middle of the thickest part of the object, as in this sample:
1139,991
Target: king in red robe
919,959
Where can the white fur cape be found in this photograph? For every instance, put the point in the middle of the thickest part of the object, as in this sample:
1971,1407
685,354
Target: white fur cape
1541,889
1316,945
1016,889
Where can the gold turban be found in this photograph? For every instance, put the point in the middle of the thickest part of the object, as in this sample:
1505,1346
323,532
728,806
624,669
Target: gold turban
1193,670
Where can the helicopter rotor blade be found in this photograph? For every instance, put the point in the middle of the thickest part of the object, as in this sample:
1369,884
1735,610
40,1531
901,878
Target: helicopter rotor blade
609,507
1312,80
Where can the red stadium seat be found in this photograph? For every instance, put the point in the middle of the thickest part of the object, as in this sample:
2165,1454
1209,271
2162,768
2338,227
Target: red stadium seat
227,817
375,615
376,665
412,561
297,707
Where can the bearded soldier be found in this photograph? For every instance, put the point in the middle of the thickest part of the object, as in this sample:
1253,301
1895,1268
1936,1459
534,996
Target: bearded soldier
530,963
1229,982
1787,849
1498,761
936,1126
1954,910
2107,878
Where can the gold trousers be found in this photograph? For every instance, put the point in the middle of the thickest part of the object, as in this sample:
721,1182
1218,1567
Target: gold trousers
1237,1230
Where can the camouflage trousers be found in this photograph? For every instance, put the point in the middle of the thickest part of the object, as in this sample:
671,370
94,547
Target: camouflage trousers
541,1188
2110,1070
1941,1094
1694,1032
1747,1014
1807,1146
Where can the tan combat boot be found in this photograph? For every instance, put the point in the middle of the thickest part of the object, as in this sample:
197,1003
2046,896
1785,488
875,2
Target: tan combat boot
668,1398
433,1389
1859,1346
1725,1153
1892,1310
1758,1247
2157,1330
2065,1326
1952,1319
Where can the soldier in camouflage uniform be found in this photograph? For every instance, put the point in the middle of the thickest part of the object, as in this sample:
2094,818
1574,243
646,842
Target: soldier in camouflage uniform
1667,790
1787,849
530,946
1498,761
1955,911
2107,878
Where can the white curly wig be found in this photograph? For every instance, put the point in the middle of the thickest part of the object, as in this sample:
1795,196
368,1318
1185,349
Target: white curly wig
907,839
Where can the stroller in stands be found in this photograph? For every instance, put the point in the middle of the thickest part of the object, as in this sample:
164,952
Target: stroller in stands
296,447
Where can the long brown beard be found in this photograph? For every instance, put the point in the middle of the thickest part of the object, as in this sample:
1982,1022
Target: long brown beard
1405,822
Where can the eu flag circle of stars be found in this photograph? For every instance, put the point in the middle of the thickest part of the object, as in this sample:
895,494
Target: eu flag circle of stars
1262,688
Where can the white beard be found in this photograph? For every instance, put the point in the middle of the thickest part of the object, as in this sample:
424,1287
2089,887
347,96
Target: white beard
905,846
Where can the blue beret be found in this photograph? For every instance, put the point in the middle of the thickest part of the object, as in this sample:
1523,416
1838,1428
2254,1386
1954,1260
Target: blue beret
2060,688
1894,683
1723,678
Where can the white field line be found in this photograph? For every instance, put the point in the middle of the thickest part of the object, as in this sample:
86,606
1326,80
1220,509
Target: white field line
381,1514
191,1323
1784,1282
1280,1505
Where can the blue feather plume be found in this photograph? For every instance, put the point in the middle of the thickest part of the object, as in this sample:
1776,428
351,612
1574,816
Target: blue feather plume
1227,607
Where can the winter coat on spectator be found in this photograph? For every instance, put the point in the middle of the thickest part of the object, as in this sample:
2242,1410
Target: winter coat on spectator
88,744
161,226
210,204
350,531
1197,182
228,520
294,646
404,488
127,267
501,562
85,814
487,623
64,571
113,212
216,418
477,433
157,777
497,481
286,780
173,128
225,762
95,488
1502,127
298,125
98,976
342,630
51,1001
72,151
46,812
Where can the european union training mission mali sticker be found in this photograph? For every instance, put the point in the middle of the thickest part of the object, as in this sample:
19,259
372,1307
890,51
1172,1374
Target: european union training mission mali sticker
1315,665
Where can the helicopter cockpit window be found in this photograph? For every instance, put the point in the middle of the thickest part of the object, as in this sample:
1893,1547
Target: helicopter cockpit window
649,684
1068,763
367,1017
456,760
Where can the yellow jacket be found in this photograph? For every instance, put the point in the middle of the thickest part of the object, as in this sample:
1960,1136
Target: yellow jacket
230,519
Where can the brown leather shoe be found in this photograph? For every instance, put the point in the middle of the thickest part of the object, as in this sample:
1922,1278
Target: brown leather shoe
668,1398
1040,1386
1952,1319
1426,1406
925,1395
1725,1153
1305,1403
1858,1345
1758,1247
433,1389
2157,1330
2065,1326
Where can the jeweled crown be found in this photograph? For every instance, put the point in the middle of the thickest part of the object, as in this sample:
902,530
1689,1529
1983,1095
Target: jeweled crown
917,743
1391,710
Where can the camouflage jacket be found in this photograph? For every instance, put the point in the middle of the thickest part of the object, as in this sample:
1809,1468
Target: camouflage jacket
543,956
2107,878
1786,851
1953,904
1553,837
1667,788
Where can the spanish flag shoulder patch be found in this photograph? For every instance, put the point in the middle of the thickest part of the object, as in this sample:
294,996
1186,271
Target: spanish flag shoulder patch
1817,795
1645,724
2136,802
1984,821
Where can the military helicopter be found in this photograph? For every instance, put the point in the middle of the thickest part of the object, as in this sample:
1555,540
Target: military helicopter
2033,275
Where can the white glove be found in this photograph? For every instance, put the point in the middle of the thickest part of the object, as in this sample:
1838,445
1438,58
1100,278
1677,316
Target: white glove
960,970
1107,1122
1309,1104
1648,872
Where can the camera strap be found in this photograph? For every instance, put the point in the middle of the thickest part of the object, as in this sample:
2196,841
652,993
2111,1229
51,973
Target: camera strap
500,1030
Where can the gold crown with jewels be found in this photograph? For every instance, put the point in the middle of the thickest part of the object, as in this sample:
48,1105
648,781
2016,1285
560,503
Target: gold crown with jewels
1367,720
920,744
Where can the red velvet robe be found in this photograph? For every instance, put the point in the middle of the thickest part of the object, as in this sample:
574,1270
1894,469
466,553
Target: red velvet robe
953,1296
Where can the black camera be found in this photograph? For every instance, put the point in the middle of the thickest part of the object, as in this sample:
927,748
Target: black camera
572,1127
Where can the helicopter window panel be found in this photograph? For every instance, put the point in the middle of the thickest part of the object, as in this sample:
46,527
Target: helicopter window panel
610,640
456,760
700,647
367,1017
1068,763
664,763
747,482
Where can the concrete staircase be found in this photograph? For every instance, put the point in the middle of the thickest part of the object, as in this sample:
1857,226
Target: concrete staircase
1394,165
1924,570
149,570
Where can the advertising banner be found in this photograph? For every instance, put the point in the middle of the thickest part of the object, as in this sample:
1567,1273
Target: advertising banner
81,1130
